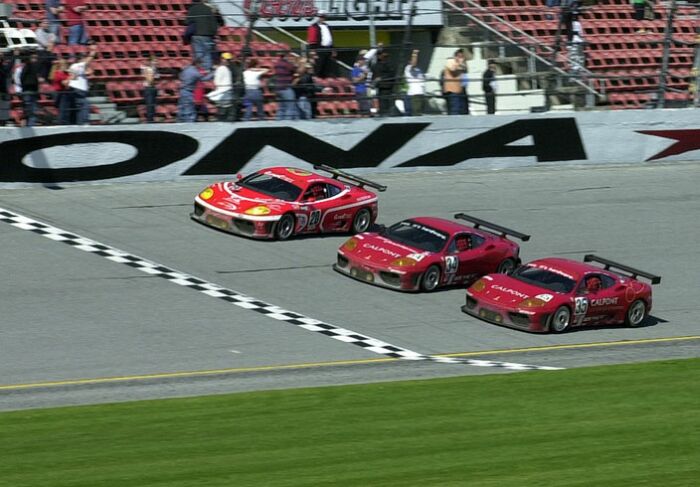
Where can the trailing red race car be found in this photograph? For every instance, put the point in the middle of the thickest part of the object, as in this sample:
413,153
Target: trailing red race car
279,202
557,294
426,253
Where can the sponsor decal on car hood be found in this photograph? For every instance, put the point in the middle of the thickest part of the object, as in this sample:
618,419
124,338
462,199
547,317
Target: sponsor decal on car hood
506,291
231,197
376,249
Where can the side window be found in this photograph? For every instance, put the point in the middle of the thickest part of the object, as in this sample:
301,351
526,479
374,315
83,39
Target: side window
477,241
332,190
606,281
315,192
592,283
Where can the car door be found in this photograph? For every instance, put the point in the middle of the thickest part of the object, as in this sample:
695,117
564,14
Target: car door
602,298
316,202
462,262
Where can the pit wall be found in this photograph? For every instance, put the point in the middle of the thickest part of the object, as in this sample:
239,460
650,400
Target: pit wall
169,152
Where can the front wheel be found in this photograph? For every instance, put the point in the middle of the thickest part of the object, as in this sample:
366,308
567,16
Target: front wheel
362,221
430,279
506,267
285,227
636,313
560,320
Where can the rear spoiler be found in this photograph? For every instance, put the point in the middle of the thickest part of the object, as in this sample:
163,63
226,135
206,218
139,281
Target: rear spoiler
492,226
337,173
609,264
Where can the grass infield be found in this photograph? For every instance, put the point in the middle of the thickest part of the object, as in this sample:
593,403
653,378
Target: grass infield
624,425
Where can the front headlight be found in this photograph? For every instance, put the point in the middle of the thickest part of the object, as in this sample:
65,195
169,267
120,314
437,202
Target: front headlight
404,262
258,210
206,194
350,245
478,286
532,303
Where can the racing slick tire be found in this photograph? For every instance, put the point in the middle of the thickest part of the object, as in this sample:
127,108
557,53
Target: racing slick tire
362,221
636,313
507,266
430,279
560,321
285,227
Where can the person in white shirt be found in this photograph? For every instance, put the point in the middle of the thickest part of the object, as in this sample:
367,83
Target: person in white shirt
44,36
575,47
223,92
415,81
325,66
253,90
79,86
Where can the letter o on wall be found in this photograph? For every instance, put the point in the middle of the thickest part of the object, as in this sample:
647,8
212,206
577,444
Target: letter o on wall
154,149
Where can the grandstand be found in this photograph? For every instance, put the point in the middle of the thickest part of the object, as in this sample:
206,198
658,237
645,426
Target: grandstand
622,65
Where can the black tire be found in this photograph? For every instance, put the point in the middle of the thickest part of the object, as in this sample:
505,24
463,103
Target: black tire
430,279
285,227
560,321
362,221
636,313
507,266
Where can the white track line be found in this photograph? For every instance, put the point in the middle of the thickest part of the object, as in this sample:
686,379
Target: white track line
241,300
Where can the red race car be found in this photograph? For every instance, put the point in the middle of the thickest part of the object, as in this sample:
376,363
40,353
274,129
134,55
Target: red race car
426,253
557,294
279,202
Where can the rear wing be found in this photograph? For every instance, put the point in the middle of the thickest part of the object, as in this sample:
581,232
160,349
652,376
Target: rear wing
478,222
361,182
609,264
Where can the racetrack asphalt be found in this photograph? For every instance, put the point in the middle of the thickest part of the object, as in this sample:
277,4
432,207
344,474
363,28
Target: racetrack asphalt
76,328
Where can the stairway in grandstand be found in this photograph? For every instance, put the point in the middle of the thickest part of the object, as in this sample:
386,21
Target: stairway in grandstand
627,62
127,32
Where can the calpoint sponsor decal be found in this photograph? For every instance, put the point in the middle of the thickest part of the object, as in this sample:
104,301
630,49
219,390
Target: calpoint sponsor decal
381,250
510,291
603,301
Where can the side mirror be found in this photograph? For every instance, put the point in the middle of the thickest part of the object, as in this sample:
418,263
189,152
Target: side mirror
239,176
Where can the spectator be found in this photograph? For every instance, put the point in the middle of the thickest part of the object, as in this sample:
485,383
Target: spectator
253,90
415,81
320,39
30,80
222,95
53,15
150,74
284,74
384,79
304,89
452,87
575,46
189,77
7,61
59,78
359,77
77,32
43,34
201,109
488,85
206,19
233,64
80,87
46,60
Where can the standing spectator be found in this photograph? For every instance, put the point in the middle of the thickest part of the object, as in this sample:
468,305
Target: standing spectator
415,80
206,19
452,87
201,109
7,61
75,20
384,79
222,95
304,89
359,76
30,80
150,74
189,77
253,90
53,15
80,87
233,63
43,34
284,75
575,46
320,39
59,78
488,85
47,58
639,6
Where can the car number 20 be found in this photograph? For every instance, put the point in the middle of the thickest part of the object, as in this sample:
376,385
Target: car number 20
314,218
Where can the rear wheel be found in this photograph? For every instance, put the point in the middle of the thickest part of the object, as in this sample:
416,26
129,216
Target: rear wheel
362,220
431,278
636,313
560,320
506,267
285,227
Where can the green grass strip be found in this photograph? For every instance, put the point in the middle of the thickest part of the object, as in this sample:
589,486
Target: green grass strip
625,425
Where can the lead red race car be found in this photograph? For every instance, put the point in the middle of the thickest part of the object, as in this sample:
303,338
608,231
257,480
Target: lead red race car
278,202
422,254
556,294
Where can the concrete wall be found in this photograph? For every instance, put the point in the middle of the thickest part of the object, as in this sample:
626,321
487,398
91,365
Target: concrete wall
203,150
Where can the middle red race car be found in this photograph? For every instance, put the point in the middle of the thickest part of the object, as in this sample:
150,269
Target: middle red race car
425,253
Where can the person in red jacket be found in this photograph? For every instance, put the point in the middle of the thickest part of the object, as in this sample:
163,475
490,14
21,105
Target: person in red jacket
320,39
74,17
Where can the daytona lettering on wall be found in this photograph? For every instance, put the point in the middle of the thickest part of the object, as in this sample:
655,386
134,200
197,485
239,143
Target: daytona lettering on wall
545,140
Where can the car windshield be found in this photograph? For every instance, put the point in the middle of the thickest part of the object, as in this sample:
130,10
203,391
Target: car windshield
416,235
544,278
271,185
